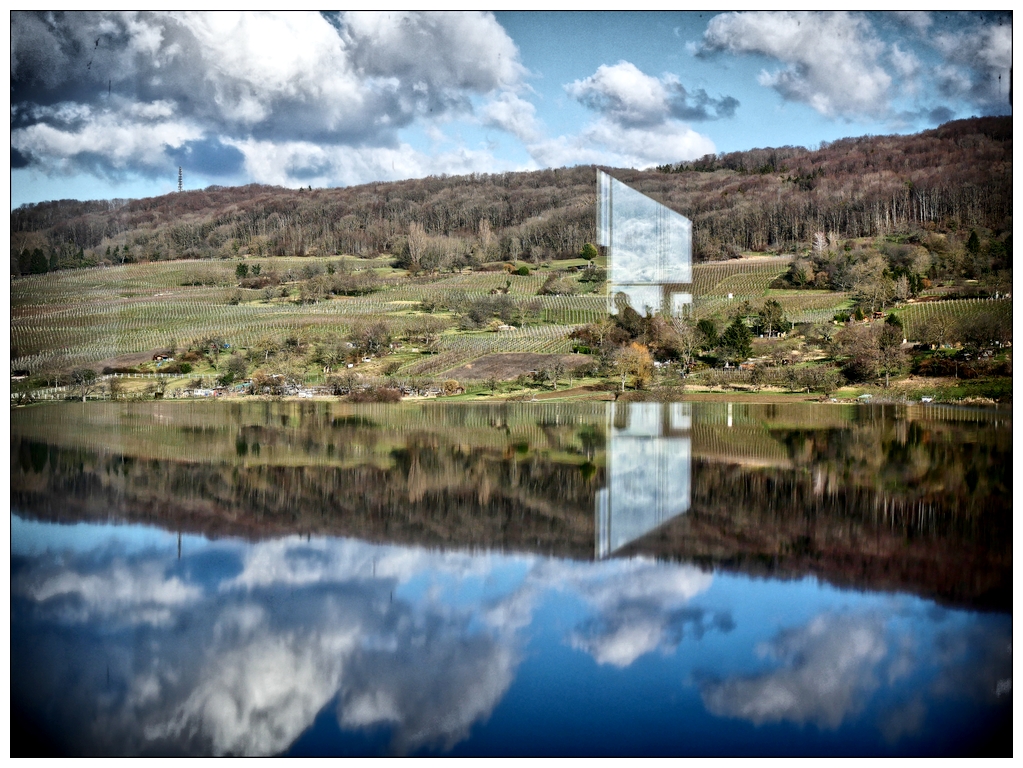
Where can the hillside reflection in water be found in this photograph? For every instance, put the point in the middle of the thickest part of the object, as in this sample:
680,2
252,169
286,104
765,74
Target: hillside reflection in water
599,579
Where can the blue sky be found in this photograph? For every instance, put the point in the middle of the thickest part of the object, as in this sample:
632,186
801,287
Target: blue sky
109,105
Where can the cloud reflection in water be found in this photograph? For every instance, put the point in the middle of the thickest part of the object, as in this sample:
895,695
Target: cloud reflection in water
237,648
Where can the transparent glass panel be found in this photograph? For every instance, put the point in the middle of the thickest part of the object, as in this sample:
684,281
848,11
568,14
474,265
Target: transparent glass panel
681,303
649,247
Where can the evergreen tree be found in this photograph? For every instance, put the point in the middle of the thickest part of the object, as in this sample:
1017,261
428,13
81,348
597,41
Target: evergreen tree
710,332
973,244
39,265
738,340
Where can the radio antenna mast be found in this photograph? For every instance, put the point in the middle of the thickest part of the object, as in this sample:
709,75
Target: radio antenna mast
179,179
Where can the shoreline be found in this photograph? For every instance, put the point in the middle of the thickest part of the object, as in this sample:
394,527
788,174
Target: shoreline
574,396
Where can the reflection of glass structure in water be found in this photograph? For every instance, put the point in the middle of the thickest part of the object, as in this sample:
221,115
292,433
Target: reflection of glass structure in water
649,249
648,467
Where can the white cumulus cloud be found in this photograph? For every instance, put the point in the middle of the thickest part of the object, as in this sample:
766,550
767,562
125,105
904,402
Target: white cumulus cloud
638,121
629,97
513,114
604,142
831,59
151,88
623,93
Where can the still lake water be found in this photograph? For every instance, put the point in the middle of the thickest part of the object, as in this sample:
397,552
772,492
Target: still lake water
520,579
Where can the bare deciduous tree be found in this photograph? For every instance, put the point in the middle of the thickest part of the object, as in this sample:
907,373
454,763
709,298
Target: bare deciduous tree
485,240
688,343
417,243
820,243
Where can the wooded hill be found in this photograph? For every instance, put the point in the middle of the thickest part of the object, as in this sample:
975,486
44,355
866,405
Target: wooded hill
954,179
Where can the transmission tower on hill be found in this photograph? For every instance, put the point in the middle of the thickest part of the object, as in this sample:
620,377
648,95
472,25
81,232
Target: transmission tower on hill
179,179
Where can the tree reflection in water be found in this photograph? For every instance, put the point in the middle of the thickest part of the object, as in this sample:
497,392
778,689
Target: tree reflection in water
466,583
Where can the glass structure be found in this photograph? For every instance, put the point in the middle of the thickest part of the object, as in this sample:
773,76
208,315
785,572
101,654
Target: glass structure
649,250
649,459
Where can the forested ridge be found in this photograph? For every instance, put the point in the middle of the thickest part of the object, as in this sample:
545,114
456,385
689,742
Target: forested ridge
952,179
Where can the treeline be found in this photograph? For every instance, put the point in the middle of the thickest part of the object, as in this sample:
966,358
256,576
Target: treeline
952,179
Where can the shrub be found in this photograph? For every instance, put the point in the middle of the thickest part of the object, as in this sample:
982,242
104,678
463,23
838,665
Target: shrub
375,395
259,282
176,368
555,286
